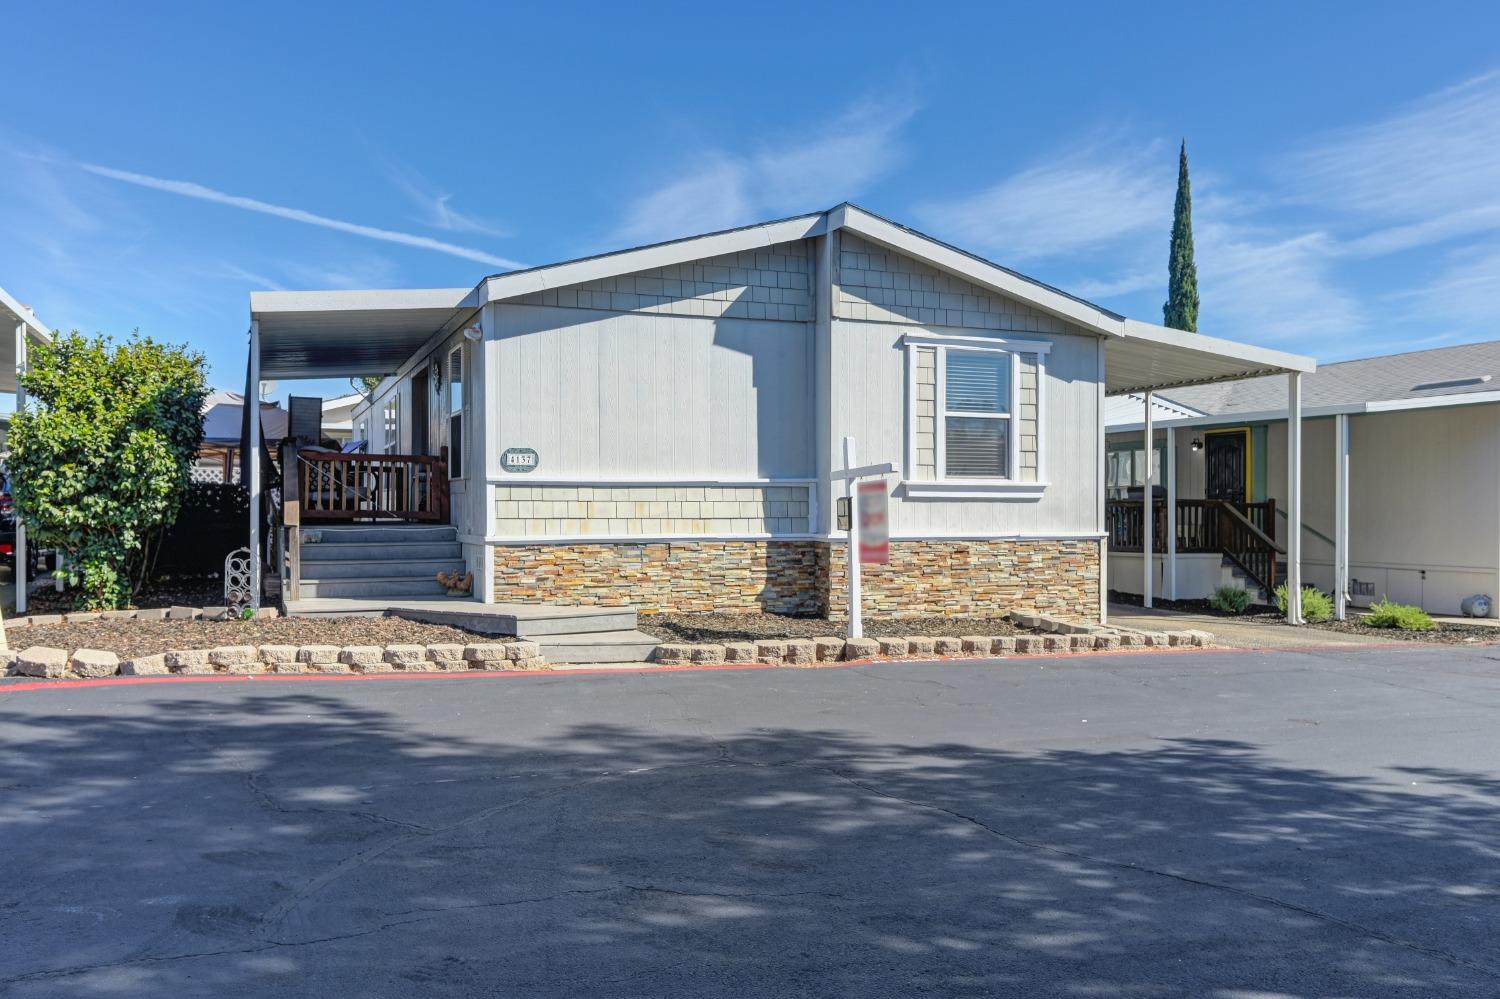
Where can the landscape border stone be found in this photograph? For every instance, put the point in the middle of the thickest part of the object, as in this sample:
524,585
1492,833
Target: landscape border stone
520,654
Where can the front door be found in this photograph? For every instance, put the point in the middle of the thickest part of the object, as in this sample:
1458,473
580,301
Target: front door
419,412
1224,460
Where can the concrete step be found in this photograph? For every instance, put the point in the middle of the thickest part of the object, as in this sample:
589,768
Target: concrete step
415,568
341,551
598,647
352,534
371,586
544,621
535,621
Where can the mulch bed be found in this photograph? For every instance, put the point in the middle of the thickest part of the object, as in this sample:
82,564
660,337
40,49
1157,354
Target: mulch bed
722,627
190,591
1444,633
143,638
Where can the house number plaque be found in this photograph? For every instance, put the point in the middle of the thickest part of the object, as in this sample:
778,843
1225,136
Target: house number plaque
519,459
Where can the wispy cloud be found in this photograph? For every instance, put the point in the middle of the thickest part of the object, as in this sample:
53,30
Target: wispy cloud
1102,190
828,164
435,203
190,189
1428,172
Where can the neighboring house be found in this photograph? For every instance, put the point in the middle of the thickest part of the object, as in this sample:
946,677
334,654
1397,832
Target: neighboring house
19,329
1420,433
218,458
663,426
338,417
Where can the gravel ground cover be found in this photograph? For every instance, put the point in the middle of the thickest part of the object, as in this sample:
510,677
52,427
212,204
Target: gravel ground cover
749,627
1444,633
144,638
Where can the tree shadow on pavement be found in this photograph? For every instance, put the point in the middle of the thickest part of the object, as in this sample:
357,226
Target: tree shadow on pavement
303,844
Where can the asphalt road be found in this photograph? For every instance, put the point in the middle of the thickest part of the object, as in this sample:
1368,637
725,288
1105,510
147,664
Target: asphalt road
1235,825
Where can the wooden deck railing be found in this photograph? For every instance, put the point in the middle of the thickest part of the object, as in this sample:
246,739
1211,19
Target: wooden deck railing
333,487
1244,532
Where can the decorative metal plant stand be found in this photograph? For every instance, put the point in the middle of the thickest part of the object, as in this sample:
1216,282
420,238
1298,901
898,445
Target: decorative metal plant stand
238,585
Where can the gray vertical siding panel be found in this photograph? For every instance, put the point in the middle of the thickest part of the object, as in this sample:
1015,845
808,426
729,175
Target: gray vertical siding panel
631,395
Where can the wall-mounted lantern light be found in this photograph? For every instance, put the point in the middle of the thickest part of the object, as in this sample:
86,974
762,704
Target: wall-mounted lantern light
1196,444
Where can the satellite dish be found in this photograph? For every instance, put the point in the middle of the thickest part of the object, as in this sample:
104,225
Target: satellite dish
267,389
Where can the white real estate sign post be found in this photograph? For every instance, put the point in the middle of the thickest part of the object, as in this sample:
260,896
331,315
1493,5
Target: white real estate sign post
872,506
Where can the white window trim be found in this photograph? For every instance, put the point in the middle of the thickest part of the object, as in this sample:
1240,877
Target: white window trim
941,486
462,414
390,427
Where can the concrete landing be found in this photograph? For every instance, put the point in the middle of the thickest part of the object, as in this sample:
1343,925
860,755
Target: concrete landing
566,634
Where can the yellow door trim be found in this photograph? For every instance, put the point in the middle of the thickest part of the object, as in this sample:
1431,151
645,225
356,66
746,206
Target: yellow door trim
1249,457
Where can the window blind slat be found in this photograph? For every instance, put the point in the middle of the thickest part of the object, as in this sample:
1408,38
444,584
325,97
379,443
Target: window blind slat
978,383
976,448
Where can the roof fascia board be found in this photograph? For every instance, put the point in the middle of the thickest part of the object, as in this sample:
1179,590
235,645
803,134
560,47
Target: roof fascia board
1432,402
1264,357
265,303
980,273
507,286
1233,419
1346,409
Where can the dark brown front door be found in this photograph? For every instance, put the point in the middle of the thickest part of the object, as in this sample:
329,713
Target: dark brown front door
1224,460
419,412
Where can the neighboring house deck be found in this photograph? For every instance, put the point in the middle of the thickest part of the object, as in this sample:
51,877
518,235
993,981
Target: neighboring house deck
662,426
19,329
1401,472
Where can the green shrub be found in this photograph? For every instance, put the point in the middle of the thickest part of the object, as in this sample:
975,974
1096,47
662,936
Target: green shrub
1230,598
99,457
1384,614
1316,605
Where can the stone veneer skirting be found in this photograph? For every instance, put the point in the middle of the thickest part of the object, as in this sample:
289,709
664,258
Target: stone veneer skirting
973,579
676,576
924,578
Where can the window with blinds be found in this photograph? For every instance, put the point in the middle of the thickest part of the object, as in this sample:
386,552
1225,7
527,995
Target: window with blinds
976,414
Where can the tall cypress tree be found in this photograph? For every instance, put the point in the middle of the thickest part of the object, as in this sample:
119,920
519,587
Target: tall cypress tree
1181,308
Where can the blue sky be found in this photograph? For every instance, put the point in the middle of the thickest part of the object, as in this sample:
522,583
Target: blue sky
158,162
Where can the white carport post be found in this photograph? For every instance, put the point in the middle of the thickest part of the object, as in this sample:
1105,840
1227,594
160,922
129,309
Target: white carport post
1294,498
252,401
1148,514
1341,516
20,544
1171,472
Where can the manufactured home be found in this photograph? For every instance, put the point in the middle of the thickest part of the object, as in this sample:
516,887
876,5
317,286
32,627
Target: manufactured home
1400,479
663,426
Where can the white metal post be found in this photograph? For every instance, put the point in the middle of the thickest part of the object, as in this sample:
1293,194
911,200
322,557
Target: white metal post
856,625
252,401
1294,498
1171,472
1148,515
1341,516
21,553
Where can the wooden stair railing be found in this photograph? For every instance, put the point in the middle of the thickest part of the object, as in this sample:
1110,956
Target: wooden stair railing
1247,546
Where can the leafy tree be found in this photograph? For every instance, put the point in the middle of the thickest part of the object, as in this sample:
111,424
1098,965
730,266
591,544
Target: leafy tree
100,458
1181,309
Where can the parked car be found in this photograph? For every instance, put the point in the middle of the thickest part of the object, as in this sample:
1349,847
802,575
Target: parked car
38,560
